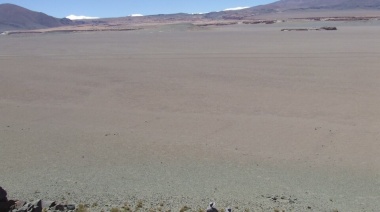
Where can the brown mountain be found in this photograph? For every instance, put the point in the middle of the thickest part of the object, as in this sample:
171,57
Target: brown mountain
13,17
283,5
296,5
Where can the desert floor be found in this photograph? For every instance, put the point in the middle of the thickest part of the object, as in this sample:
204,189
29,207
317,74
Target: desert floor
179,115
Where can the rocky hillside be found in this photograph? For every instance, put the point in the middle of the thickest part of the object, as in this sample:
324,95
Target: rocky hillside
13,17
288,5
283,5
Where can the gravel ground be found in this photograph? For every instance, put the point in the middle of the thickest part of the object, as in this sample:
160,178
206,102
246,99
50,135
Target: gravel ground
247,116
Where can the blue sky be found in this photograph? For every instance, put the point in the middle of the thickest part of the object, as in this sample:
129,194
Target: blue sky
119,8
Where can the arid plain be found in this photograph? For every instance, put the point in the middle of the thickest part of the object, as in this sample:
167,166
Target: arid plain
186,115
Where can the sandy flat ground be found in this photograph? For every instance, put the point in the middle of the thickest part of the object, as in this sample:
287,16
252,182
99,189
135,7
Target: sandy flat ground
234,114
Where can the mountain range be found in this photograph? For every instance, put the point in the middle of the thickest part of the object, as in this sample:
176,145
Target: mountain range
298,5
320,4
13,17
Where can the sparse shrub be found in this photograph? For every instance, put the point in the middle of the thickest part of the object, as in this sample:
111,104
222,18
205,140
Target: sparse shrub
139,205
184,208
126,207
115,210
81,208
201,210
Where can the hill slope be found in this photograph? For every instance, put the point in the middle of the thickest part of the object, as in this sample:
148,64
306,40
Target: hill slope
13,17
289,5
321,4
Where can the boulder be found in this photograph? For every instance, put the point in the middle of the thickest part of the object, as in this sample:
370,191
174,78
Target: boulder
35,206
7,206
3,195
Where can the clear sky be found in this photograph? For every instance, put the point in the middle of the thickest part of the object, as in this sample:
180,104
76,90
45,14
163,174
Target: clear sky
119,8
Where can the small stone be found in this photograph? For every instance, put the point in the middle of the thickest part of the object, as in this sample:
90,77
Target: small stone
70,207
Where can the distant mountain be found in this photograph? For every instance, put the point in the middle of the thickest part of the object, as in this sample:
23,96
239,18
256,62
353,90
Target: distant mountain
321,4
13,17
289,5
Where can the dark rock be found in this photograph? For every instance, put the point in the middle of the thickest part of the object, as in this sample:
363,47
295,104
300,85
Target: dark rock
7,206
329,28
70,207
211,207
58,207
3,195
